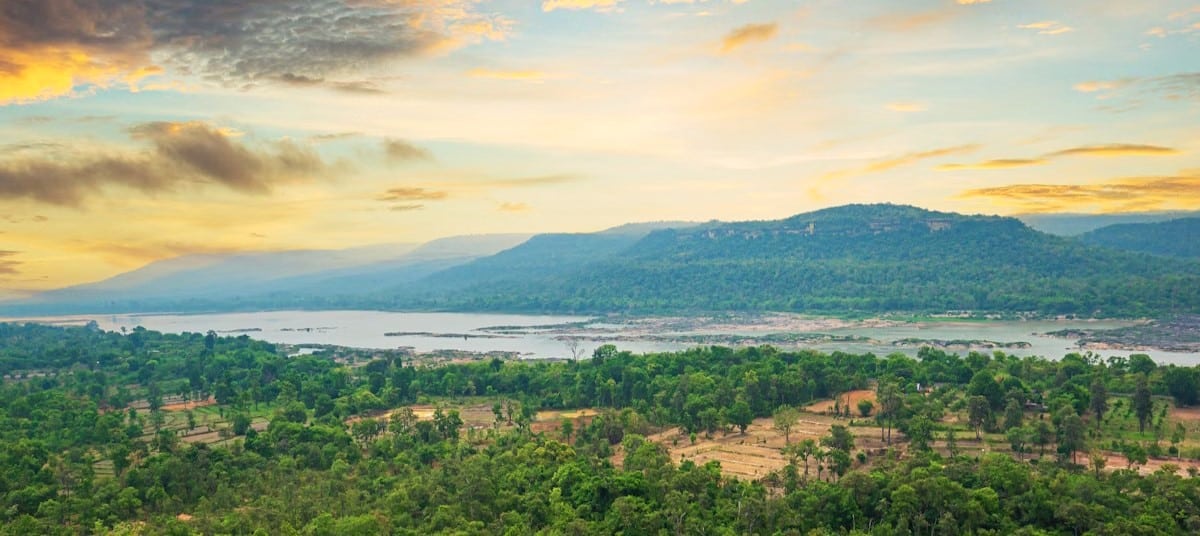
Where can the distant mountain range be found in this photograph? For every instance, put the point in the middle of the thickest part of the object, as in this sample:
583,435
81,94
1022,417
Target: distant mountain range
1174,238
855,259
1077,224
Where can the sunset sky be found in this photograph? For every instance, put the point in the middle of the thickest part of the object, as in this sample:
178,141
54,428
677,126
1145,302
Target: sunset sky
137,130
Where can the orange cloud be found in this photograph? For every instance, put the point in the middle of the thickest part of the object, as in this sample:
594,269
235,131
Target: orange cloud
908,21
1092,86
750,33
1048,27
1177,192
528,76
576,5
902,160
514,207
906,107
1107,150
1116,149
49,72
1003,163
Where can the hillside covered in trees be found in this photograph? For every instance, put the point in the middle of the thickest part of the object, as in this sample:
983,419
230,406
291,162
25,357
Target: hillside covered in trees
857,258
99,434
1174,238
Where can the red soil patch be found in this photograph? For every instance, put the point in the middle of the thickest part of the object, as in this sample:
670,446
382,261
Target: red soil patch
826,406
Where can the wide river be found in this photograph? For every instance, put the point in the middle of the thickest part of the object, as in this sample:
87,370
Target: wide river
466,331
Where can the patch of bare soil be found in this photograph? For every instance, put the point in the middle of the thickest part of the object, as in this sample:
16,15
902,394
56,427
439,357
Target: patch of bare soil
757,452
852,397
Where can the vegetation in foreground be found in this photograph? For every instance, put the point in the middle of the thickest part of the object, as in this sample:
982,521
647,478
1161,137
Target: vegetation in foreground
91,423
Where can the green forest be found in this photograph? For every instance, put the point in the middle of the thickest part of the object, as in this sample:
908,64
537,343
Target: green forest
1174,238
150,433
862,259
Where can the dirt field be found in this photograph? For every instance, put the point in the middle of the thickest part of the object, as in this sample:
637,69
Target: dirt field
757,452
184,406
826,406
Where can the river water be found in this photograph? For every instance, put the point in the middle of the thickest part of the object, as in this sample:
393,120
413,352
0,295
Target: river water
465,331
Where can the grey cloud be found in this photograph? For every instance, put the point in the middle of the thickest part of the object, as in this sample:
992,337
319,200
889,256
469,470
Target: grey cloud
413,194
400,150
243,43
246,41
178,154
8,266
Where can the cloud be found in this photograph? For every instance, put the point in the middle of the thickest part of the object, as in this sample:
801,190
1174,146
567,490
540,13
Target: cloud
906,107
905,21
177,155
1092,86
1048,27
49,48
1115,149
8,266
1174,87
1106,150
539,180
527,76
402,151
409,196
334,136
576,5
1004,163
1181,191
406,207
898,161
413,194
513,207
750,33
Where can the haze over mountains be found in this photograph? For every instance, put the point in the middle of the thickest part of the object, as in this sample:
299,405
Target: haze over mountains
849,259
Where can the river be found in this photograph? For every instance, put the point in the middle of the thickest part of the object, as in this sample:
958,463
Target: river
529,336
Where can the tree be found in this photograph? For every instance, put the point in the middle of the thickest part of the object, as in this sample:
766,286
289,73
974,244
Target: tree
951,443
1099,402
785,418
1014,414
1042,434
740,415
890,402
1072,433
984,384
567,427
864,407
979,412
839,438
1182,385
241,423
920,431
1017,436
1135,454
1143,405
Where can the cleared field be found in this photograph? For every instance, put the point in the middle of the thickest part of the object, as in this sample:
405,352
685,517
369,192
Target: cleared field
757,452
826,406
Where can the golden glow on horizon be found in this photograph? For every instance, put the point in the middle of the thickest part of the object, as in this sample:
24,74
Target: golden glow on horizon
256,131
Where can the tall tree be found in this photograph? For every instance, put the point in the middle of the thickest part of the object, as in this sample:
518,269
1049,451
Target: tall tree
1099,401
740,415
978,413
785,418
1143,405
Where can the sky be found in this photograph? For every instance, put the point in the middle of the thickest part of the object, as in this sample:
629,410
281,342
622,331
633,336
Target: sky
138,130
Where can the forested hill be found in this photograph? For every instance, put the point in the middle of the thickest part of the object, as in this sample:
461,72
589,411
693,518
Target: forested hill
857,258
1175,238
